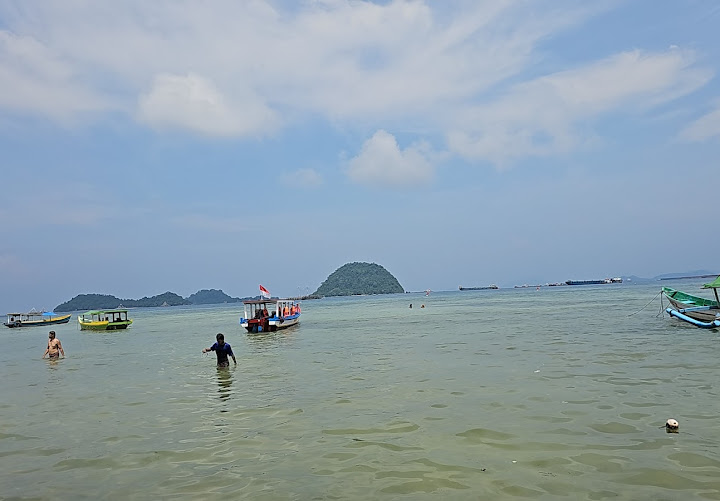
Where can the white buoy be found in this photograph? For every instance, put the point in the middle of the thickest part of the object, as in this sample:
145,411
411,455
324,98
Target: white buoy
672,426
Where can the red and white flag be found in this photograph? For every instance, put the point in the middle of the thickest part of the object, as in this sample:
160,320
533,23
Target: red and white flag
264,292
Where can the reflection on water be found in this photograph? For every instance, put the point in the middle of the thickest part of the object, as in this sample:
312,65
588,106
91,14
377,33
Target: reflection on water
224,380
550,394
272,340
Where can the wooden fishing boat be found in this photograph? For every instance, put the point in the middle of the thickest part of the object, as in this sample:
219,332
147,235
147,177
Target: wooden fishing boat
268,315
104,320
34,318
695,310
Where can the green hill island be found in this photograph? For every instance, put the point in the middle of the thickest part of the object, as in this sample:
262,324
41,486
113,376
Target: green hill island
107,302
349,280
358,279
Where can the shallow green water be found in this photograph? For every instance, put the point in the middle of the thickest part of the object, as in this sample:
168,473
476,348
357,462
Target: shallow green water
512,394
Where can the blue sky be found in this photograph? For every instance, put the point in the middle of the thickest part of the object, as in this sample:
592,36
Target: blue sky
179,145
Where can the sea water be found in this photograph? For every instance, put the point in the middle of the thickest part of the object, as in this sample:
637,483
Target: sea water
556,393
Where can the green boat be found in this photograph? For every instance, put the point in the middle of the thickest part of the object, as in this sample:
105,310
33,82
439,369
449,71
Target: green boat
696,310
104,320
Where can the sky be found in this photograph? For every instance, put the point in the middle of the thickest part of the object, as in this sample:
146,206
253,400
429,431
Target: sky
180,145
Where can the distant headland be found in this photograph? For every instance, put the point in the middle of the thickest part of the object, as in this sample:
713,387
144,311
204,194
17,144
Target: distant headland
106,301
350,279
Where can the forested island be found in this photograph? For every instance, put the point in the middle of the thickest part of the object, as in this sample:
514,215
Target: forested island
359,278
348,280
106,301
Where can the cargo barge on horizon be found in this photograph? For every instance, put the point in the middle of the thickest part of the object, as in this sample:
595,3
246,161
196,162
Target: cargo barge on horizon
616,280
493,286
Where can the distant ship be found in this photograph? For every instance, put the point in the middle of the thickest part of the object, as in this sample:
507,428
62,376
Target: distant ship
493,286
616,280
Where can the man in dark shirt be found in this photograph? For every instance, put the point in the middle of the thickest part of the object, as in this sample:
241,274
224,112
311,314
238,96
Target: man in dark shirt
222,350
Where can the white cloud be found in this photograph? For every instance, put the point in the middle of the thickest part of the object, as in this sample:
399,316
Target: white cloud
547,115
238,69
382,162
704,128
340,59
37,80
194,102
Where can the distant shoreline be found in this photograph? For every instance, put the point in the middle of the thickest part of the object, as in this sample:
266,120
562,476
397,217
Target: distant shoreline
692,276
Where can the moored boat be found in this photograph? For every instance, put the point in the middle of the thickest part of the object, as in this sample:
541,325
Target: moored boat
34,318
695,310
104,320
268,315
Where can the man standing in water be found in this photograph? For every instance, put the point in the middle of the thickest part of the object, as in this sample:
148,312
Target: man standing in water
222,350
54,348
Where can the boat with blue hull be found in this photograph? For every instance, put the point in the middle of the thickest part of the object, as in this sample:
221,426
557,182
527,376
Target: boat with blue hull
695,310
269,315
35,318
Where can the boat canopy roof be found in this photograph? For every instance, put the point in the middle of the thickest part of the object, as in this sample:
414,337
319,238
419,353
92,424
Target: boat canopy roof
715,284
100,312
266,301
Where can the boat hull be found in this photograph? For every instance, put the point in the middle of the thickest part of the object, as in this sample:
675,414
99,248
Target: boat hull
34,323
104,325
683,314
284,323
695,307
272,324
695,310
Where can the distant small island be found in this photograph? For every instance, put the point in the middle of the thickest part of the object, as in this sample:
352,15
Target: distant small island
106,301
348,280
359,279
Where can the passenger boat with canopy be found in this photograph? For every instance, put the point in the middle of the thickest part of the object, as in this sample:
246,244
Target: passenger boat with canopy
104,320
269,315
34,318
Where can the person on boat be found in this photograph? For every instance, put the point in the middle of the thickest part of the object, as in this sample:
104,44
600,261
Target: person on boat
54,347
222,350
265,313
